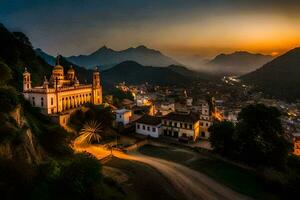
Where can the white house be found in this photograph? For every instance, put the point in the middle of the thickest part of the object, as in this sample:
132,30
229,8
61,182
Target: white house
123,116
149,125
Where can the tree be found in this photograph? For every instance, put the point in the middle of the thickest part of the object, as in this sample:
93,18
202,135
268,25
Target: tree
221,137
90,132
80,177
5,73
8,99
259,135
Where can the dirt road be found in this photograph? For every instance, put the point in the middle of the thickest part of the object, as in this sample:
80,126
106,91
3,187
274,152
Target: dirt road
192,184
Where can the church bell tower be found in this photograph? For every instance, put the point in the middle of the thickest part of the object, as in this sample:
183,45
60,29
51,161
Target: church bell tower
26,80
97,88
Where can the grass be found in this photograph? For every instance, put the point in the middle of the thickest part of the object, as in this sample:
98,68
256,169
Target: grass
144,182
239,179
166,153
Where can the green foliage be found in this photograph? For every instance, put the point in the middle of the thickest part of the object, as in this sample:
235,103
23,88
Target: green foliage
74,178
80,176
8,99
56,141
256,140
222,137
100,114
259,136
5,73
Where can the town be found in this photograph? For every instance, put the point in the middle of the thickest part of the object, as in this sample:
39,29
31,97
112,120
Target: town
173,113
143,100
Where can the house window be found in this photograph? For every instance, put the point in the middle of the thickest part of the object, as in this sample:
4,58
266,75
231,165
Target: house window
181,125
153,129
185,125
144,127
191,126
138,126
170,123
165,132
175,124
42,101
148,128
207,124
175,134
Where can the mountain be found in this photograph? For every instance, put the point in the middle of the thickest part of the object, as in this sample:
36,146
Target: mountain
237,63
107,58
134,73
46,57
280,77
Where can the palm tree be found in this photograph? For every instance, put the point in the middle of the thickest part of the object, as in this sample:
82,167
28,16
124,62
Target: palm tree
90,132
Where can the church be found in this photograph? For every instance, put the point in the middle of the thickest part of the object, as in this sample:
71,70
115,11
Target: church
62,93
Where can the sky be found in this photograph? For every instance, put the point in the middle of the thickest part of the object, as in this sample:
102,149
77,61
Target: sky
202,28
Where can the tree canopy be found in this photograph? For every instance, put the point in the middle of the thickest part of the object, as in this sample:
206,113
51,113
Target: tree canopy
257,138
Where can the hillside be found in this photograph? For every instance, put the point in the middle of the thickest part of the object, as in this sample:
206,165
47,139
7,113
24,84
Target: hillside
237,63
133,73
107,58
280,77
16,52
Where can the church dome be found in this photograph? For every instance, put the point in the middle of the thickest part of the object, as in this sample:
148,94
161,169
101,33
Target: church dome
58,67
71,70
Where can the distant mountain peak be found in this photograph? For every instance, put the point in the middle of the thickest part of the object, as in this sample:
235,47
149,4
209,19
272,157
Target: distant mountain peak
108,57
238,62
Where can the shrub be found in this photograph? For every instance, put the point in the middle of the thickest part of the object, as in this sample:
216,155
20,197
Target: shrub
8,99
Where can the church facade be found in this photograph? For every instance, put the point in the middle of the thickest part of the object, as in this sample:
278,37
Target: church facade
62,92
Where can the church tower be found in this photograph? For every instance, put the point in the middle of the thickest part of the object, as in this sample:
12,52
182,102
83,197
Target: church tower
97,88
26,80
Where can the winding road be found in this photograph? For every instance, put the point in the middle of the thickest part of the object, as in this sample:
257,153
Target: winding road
192,184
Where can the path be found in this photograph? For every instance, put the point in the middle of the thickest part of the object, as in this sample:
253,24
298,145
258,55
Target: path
192,184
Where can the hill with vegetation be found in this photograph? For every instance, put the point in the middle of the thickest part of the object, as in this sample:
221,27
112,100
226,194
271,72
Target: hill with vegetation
280,77
36,158
237,63
133,73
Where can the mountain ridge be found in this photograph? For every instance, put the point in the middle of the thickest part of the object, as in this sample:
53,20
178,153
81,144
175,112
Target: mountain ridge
279,77
237,63
107,57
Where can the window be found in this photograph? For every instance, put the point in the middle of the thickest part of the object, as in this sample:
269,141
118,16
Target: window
51,101
191,126
207,124
185,125
148,128
175,134
138,126
170,123
175,124
202,134
42,101
153,129
33,101
165,132
181,125
201,123
144,127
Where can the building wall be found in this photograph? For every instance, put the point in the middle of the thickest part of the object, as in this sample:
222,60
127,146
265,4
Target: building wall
123,118
179,129
144,129
297,147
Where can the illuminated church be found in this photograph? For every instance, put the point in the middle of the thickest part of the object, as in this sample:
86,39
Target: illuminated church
62,92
